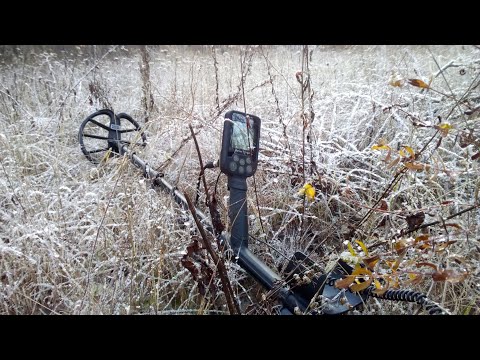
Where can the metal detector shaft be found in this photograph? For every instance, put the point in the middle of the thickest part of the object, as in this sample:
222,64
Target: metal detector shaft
158,180
237,211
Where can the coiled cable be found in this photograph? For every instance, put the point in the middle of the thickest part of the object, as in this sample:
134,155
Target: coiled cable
411,296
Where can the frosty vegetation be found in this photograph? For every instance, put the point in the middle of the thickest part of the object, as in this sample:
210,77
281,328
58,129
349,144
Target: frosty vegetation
388,136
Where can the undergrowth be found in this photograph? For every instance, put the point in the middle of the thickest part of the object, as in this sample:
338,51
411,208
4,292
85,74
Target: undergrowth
387,139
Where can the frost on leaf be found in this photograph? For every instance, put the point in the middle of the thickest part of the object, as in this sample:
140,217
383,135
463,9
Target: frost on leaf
444,128
396,80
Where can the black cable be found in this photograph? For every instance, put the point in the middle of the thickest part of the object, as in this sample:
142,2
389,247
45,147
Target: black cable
208,165
411,296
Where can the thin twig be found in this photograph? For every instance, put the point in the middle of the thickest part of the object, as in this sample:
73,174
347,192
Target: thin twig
69,91
202,169
215,65
219,263
439,221
248,137
448,84
89,267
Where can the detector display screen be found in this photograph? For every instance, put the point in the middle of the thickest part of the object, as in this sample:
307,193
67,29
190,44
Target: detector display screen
243,134
240,144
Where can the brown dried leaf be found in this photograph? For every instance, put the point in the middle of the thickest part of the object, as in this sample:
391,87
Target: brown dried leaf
476,156
393,163
458,259
455,226
383,205
441,275
433,266
421,238
425,246
444,245
216,217
193,261
389,155
400,246
414,279
415,220
371,261
415,166
398,261
456,276
345,283
466,139
418,83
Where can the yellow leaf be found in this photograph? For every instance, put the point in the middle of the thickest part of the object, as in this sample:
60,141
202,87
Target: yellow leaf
418,83
361,286
381,147
444,128
362,245
350,248
367,277
410,150
361,271
308,190
379,289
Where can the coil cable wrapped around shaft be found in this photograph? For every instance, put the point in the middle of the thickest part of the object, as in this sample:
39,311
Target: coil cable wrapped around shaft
411,296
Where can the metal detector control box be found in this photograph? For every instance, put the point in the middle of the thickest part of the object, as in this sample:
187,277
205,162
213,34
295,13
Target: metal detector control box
240,144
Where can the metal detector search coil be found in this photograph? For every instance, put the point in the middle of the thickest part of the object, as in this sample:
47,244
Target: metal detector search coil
241,134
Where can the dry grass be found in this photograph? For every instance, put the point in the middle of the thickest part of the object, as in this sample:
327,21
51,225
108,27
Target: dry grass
81,239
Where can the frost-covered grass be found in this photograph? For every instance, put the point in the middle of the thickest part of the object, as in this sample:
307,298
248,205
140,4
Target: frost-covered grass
76,238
